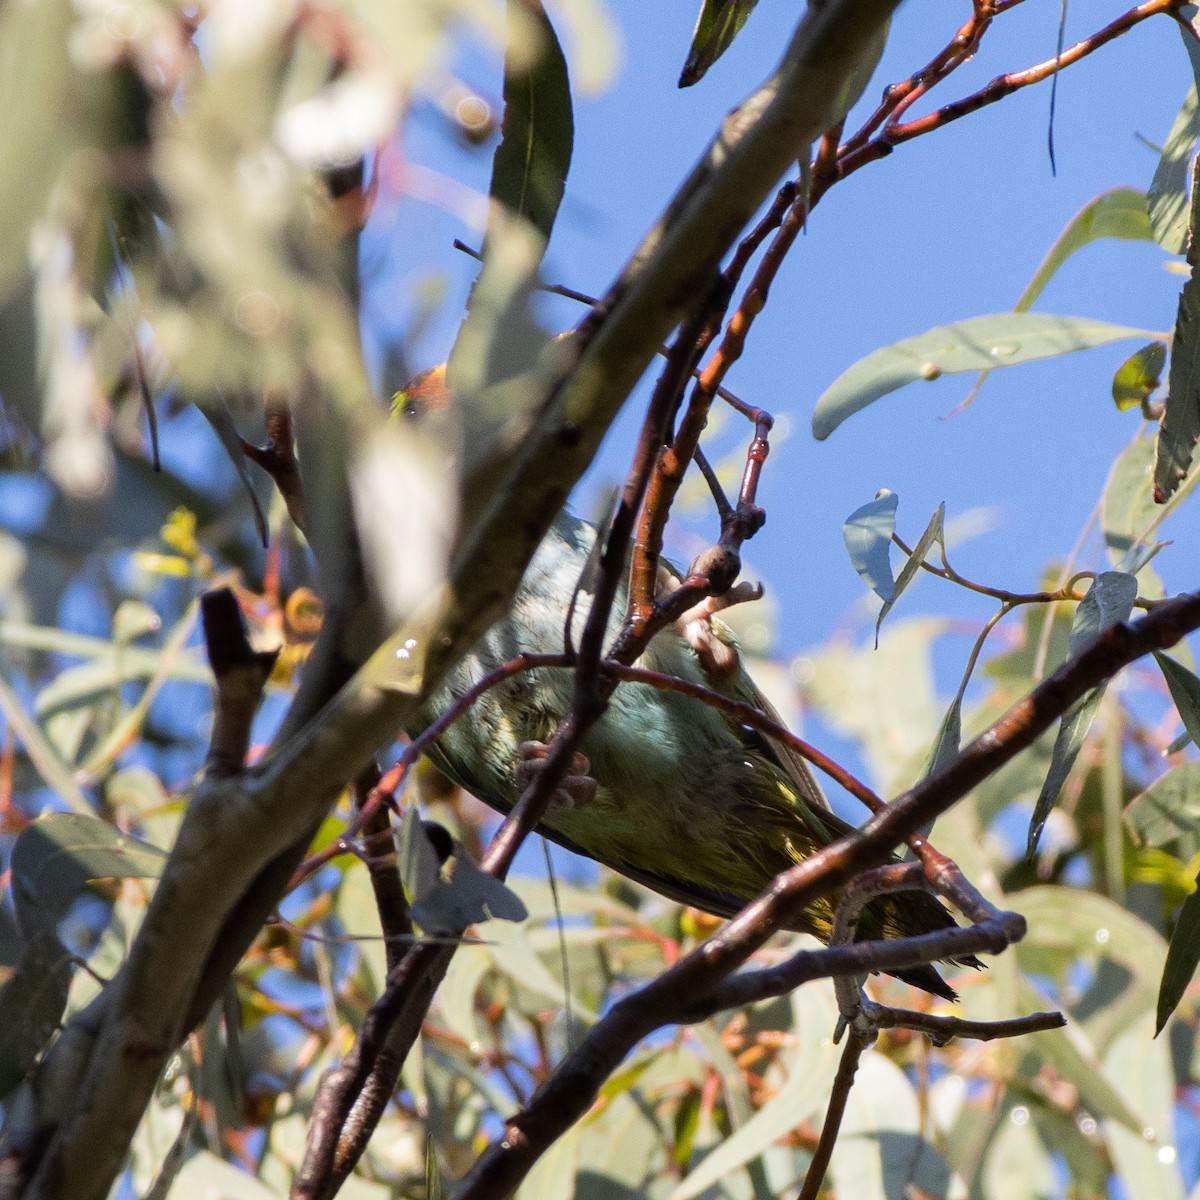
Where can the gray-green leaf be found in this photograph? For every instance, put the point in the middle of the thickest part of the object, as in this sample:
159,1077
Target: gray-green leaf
1108,601
868,536
976,344
932,534
1166,198
1168,809
1183,955
529,170
719,22
1185,691
56,855
1181,413
31,1005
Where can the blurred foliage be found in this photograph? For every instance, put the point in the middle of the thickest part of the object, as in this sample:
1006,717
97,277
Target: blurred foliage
171,252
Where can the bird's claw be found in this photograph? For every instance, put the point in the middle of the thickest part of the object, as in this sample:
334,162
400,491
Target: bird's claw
577,789
718,656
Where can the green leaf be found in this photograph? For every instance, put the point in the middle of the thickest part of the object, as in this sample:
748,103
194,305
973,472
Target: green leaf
1127,507
457,995
1138,376
1119,213
1072,732
1183,956
719,22
56,855
433,1177
1166,198
809,1080
31,1005
529,169
1168,809
510,950
1072,931
868,536
46,760
1017,1163
39,86
880,1152
948,738
1067,1053
1108,601
1185,691
976,344
932,534
1180,425
1146,1159
856,82
204,1174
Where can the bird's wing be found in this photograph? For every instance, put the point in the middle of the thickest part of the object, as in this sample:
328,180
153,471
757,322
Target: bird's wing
789,760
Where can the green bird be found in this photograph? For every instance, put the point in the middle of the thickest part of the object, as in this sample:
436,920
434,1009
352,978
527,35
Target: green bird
670,792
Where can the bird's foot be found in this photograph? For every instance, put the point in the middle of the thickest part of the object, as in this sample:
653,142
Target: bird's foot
718,656
576,789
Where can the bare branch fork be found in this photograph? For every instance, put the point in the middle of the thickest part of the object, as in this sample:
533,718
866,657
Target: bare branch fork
864,1019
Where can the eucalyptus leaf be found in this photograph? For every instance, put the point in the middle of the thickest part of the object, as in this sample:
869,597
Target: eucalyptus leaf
32,1003
1183,956
1145,1156
976,344
1119,213
47,761
809,1080
933,533
1185,691
1180,426
56,855
457,997
949,737
1166,198
1067,924
509,947
880,1152
216,412
529,169
1138,376
1129,512
1168,809
1108,601
868,536
719,22
1067,1052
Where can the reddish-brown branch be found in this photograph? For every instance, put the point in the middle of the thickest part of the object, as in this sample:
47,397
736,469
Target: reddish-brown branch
843,1081
278,459
857,154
